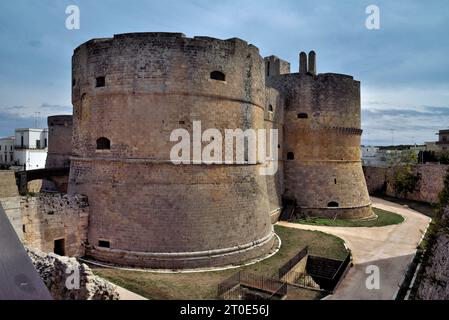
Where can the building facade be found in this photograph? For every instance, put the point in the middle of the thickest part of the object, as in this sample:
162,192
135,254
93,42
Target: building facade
7,151
443,140
30,149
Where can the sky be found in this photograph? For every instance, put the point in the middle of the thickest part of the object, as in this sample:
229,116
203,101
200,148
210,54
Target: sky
403,66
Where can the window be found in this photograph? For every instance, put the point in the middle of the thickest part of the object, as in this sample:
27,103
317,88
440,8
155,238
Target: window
38,144
268,68
302,115
45,143
270,108
21,142
104,244
101,82
290,156
335,181
333,204
59,247
103,144
217,75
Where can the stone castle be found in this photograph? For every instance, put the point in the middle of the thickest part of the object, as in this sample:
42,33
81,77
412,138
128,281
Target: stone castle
130,91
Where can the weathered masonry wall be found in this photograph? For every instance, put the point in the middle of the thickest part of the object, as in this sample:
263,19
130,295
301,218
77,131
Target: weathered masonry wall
431,182
130,92
59,151
321,144
55,217
10,199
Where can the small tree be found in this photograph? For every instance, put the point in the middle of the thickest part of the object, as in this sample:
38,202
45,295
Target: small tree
405,180
444,158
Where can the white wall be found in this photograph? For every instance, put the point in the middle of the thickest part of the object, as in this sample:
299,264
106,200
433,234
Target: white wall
30,136
34,159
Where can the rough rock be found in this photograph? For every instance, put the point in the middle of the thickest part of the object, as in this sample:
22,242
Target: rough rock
60,276
434,284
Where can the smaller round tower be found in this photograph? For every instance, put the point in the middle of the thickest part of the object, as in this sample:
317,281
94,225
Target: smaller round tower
59,141
323,174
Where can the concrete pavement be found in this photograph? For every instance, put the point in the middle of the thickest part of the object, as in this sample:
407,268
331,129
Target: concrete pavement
390,248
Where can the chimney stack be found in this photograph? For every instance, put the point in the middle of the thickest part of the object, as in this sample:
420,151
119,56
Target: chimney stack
302,63
312,62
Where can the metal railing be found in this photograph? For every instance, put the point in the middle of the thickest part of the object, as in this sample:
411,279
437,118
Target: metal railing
292,262
240,284
301,279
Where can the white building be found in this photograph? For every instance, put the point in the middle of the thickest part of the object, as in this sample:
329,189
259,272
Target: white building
30,150
7,151
372,156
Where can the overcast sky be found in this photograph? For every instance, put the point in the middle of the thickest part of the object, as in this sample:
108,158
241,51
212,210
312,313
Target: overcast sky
403,67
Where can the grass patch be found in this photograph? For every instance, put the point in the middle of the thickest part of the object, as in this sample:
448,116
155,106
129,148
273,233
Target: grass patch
203,285
384,218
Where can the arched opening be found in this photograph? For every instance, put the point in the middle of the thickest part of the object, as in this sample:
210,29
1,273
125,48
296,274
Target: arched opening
270,108
103,144
333,204
218,75
303,115
290,156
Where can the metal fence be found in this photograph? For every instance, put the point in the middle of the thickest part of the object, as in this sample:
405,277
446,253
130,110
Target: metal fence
301,279
320,274
244,284
292,262
329,283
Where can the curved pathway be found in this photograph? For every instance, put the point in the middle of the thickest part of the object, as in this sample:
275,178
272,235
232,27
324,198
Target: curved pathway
390,248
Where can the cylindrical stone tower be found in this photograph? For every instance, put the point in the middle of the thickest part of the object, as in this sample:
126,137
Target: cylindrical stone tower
323,171
129,93
59,141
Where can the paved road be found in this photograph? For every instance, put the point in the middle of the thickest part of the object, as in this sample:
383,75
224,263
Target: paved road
390,248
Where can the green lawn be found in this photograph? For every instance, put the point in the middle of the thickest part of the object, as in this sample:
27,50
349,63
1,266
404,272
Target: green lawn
384,218
204,285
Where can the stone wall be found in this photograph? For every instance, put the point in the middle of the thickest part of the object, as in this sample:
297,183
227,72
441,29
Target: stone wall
60,275
381,180
321,144
434,282
50,217
142,205
10,200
